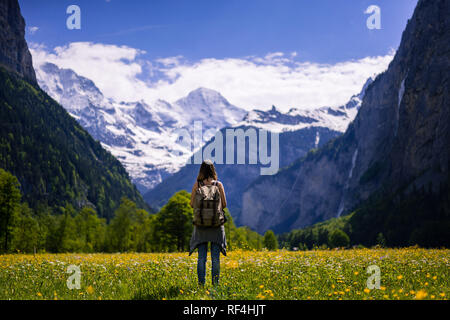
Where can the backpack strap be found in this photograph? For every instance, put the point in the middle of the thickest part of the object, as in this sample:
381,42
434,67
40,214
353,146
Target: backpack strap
201,203
201,213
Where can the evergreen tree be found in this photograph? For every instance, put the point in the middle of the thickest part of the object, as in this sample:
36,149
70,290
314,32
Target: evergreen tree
270,240
25,235
174,223
338,238
91,230
120,229
9,203
381,241
141,231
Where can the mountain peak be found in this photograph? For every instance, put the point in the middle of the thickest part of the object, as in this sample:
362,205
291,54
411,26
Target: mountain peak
366,85
209,101
203,90
73,91
206,95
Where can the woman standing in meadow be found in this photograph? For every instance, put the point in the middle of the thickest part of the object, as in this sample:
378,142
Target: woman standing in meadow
208,200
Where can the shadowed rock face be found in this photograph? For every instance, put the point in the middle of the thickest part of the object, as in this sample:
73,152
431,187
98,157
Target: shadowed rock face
398,141
14,54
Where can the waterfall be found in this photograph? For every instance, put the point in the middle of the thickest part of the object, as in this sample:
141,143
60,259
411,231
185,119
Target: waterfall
316,143
350,174
347,183
401,92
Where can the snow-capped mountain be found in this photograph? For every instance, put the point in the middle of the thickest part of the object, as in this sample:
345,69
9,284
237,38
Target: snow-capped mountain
141,135
144,136
197,106
334,118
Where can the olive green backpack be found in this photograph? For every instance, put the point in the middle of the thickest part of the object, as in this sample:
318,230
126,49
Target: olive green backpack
208,206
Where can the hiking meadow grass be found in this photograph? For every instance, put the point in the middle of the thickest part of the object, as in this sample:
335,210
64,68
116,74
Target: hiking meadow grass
409,273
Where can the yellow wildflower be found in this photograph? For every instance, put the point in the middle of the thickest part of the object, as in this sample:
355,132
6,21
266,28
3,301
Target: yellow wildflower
421,294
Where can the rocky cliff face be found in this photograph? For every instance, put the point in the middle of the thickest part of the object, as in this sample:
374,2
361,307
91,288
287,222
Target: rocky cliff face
399,139
14,54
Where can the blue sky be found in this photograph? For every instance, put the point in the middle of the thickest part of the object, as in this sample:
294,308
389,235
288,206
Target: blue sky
321,32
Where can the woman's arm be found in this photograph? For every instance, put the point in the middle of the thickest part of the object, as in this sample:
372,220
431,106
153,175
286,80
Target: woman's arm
194,189
223,198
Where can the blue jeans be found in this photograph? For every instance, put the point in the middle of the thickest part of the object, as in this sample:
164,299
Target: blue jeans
201,263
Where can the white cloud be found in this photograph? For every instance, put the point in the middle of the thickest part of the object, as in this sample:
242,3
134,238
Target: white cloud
114,69
33,30
170,61
248,82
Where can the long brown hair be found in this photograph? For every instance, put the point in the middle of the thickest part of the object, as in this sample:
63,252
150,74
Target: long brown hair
207,171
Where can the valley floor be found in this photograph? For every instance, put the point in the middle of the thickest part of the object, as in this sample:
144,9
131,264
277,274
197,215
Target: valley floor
409,273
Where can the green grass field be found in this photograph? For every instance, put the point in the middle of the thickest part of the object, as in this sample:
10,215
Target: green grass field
409,273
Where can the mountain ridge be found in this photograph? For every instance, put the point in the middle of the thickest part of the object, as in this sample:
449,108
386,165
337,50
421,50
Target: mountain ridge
141,135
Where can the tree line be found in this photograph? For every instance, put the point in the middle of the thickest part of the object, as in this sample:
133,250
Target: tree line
421,217
132,229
